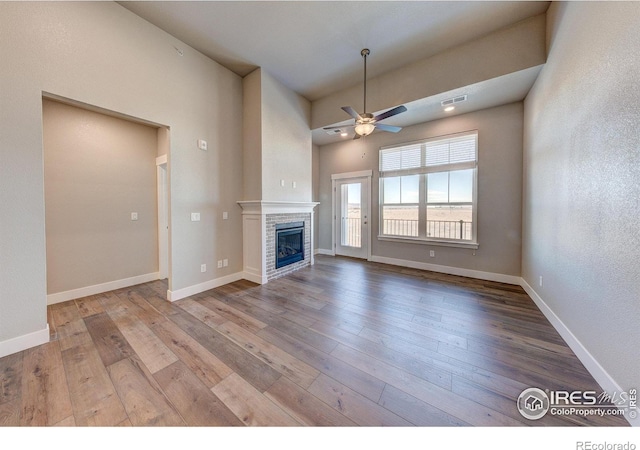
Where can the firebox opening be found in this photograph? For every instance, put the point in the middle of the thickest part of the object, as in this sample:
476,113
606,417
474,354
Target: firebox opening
289,243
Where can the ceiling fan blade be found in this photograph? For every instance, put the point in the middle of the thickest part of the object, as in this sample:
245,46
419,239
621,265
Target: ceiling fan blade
352,112
356,136
391,128
391,112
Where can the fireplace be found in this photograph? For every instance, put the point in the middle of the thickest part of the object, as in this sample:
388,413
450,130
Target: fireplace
261,244
289,243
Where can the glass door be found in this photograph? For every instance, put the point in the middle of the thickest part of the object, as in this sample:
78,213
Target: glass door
352,217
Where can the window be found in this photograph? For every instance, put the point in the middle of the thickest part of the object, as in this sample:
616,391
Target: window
428,190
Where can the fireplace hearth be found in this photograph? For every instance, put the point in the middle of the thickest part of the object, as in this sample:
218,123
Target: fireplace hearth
289,243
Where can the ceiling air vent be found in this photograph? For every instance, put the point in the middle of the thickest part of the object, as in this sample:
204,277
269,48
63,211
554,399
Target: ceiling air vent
451,101
335,131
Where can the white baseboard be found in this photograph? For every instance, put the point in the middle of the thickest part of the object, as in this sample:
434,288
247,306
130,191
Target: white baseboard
586,358
178,294
254,278
489,276
100,288
24,342
324,251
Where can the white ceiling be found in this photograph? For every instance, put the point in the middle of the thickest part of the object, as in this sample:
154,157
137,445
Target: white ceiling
313,47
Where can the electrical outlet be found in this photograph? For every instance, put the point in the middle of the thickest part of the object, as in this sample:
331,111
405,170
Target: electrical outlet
225,262
432,253
220,264
134,216
203,268
195,217
202,144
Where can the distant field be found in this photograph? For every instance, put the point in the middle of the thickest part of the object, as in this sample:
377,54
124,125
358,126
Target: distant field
404,213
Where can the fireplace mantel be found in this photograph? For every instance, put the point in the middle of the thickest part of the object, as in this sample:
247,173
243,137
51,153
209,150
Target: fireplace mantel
259,218
271,207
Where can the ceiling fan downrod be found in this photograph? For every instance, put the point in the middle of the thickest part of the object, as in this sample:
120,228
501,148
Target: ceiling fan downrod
365,52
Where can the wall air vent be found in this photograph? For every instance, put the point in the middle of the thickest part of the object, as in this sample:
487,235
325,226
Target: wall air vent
451,101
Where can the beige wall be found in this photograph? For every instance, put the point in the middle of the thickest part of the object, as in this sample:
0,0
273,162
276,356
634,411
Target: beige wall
277,141
499,189
98,53
98,169
164,141
315,164
581,184
252,135
286,143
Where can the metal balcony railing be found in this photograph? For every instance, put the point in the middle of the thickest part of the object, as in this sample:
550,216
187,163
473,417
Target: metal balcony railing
351,230
444,229
449,229
400,227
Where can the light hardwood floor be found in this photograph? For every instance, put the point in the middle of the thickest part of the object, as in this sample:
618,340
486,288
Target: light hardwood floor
342,343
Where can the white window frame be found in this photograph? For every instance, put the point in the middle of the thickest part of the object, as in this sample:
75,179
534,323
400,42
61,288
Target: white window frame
423,171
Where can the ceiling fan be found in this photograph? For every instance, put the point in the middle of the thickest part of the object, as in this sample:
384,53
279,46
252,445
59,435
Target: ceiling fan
365,123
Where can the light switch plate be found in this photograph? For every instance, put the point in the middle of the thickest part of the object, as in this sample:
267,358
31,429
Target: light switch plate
202,144
134,216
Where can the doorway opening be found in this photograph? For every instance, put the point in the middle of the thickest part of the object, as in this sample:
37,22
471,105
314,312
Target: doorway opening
106,199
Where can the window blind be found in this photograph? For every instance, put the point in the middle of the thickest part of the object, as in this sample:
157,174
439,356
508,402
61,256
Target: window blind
401,158
420,156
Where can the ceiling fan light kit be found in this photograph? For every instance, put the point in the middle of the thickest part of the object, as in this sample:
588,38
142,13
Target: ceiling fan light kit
365,127
366,123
